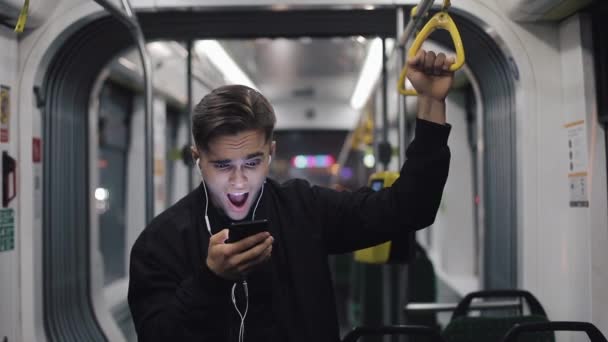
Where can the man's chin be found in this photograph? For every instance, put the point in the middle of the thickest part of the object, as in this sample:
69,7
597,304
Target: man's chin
237,214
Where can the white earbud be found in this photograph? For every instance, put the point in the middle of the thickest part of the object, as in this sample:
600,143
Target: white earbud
198,167
269,159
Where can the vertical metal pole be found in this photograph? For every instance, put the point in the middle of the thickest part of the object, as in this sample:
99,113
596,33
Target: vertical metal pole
387,307
190,103
384,99
149,129
399,61
402,292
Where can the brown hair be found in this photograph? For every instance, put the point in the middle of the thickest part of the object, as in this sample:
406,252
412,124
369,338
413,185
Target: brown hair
229,110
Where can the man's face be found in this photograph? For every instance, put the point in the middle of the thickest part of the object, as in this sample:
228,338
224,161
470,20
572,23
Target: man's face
234,168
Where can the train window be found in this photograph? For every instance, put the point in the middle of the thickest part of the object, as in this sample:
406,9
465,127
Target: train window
177,138
115,106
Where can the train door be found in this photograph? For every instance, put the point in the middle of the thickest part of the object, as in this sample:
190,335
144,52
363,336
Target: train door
9,231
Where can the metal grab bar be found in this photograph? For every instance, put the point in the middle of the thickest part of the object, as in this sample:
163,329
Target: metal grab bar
441,20
416,18
130,20
446,307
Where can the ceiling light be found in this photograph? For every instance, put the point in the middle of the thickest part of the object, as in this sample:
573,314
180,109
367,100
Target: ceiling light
370,72
159,50
305,40
179,49
127,63
220,58
369,75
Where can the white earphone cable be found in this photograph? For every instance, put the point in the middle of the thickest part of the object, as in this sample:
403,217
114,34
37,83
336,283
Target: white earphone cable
244,314
245,287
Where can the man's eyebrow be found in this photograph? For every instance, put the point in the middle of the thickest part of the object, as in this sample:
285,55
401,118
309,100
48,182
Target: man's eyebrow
254,155
226,161
223,161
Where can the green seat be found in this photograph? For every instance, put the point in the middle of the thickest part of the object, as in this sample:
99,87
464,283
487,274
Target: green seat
464,328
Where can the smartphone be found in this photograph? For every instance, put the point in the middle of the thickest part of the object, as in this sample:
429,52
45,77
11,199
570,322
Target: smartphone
241,230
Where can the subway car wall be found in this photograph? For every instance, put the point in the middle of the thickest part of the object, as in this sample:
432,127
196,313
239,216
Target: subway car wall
526,204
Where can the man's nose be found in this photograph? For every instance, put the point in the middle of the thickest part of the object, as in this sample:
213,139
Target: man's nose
238,176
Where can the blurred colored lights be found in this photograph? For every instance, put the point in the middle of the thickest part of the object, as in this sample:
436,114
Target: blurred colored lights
301,162
369,161
313,161
346,173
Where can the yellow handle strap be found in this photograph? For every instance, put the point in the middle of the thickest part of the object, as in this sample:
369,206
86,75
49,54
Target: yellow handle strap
22,17
441,20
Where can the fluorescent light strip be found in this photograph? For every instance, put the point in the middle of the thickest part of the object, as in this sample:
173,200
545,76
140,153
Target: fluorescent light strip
159,50
127,63
220,58
369,75
372,67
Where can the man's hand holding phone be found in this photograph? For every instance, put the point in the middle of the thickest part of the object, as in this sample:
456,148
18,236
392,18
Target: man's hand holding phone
234,260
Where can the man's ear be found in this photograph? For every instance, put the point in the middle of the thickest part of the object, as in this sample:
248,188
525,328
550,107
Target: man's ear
273,148
194,152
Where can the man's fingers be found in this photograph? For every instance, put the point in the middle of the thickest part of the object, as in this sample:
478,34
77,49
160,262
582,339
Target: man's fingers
247,243
448,62
218,238
439,63
265,255
429,62
253,252
416,61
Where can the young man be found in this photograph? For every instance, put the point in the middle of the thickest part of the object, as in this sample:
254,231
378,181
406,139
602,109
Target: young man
187,283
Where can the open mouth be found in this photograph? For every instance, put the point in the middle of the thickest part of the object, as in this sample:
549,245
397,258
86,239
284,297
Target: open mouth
238,199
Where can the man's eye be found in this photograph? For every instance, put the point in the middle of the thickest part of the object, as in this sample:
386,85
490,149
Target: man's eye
221,166
252,163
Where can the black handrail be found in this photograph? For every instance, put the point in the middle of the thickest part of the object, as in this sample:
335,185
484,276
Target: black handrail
594,334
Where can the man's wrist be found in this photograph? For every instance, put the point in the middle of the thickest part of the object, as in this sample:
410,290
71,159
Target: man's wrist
431,109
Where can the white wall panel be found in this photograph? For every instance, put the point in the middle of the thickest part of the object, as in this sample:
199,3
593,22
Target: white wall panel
586,235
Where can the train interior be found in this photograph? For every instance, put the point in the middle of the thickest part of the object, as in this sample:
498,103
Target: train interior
91,151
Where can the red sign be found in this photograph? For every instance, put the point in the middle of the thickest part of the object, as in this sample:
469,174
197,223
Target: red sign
37,150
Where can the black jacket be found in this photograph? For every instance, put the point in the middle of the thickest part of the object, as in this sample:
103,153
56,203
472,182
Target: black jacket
173,296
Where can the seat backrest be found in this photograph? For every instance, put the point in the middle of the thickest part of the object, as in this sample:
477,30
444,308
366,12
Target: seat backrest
490,329
464,305
463,328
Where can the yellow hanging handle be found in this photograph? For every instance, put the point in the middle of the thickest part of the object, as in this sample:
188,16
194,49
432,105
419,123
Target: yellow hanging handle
441,20
22,17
